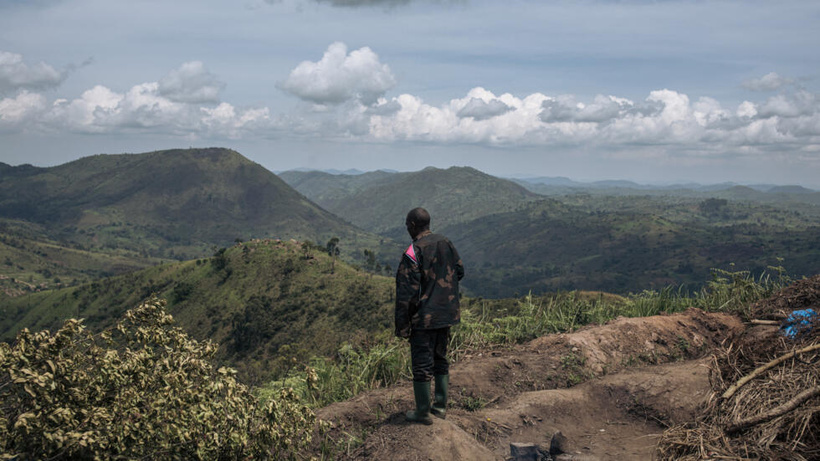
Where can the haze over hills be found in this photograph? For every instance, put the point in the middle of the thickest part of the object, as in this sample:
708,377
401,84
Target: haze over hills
765,193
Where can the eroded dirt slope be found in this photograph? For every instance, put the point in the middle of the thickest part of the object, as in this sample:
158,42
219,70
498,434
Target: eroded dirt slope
610,390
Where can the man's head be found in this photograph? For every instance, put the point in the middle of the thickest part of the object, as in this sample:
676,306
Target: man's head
418,220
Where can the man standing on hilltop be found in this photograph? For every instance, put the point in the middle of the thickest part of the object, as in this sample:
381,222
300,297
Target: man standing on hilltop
426,308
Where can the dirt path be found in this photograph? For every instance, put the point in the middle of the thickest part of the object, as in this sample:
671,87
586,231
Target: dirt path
610,390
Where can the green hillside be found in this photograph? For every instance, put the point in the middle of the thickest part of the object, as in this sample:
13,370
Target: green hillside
585,238
107,214
29,264
379,201
788,197
324,188
173,203
264,302
638,244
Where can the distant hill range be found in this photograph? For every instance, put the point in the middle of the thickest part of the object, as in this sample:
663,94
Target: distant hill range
110,214
608,237
757,192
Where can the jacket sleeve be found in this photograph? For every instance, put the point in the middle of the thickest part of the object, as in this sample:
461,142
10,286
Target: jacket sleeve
408,285
459,264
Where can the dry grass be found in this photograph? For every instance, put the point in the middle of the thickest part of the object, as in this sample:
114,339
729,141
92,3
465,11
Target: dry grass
722,434
776,415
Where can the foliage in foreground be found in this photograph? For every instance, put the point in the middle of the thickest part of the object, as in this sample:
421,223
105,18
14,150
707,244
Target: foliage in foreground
143,389
492,323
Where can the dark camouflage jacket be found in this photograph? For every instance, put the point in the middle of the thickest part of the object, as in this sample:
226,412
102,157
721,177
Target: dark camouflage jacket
427,285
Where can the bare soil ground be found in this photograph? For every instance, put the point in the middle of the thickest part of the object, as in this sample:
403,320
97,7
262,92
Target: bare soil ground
610,390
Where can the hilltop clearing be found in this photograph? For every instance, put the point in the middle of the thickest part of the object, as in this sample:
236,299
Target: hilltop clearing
593,386
612,391
30,261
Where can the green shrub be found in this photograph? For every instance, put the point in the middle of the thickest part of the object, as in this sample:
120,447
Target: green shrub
143,389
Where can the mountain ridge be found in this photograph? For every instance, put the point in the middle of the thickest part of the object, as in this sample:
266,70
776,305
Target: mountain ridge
195,196
450,195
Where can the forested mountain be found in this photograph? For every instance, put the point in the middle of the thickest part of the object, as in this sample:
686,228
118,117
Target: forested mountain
584,238
636,245
327,188
106,214
379,201
189,197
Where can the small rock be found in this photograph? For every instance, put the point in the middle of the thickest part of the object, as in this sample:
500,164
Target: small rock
527,452
559,444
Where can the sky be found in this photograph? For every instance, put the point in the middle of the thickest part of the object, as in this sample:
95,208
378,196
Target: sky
656,92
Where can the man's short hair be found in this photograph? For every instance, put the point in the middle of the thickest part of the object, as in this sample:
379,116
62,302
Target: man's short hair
420,217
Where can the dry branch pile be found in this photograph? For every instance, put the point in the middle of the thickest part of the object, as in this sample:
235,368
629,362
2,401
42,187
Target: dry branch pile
766,391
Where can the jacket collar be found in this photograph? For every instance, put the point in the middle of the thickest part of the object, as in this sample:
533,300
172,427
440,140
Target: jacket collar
422,234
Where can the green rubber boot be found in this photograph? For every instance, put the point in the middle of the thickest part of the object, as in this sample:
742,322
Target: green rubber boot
439,407
421,391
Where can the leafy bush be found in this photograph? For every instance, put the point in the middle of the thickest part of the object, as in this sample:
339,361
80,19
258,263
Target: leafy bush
143,389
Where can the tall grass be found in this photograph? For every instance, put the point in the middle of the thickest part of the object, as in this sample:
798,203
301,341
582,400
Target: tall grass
352,371
483,326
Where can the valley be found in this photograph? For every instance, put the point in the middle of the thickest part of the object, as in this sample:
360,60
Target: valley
290,279
245,260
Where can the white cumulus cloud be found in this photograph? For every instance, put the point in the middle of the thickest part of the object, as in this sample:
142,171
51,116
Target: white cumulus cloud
191,83
769,82
790,105
225,120
565,108
15,74
340,77
480,109
665,118
176,105
15,112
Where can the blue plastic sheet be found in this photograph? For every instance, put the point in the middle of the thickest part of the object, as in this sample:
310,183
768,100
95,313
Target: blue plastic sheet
799,323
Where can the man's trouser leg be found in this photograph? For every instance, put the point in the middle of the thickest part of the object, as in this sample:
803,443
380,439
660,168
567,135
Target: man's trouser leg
428,349
441,372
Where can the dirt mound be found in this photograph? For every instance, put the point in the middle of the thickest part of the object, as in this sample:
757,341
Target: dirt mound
802,294
639,376
563,360
443,441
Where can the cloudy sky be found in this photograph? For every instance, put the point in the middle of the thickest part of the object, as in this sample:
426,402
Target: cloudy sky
652,91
